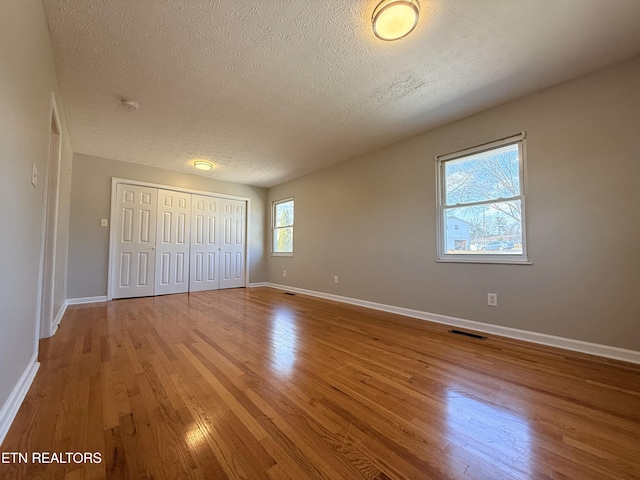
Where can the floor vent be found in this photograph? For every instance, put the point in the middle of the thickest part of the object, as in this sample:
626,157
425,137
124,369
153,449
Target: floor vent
289,293
467,334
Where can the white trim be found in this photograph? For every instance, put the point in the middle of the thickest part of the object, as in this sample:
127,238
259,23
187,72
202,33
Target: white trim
112,221
42,329
274,203
257,284
441,206
247,237
481,148
83,300
58,318
116,180
12,405
112,238
616,353
493,259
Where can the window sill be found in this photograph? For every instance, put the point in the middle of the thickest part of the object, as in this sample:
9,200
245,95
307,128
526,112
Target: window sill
274,254
489,260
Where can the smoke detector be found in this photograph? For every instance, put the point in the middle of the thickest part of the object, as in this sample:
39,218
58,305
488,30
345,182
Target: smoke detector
130,104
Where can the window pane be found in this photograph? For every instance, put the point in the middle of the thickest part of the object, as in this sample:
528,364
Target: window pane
284,214
483,176
494,228
283,240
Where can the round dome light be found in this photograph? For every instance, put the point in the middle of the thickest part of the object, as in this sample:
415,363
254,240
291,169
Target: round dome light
395,19
203,165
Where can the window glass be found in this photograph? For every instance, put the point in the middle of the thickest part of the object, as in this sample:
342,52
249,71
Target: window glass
484,176
481,203
283,226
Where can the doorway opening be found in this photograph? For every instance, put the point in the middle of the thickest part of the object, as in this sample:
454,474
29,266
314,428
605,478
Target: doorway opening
50,223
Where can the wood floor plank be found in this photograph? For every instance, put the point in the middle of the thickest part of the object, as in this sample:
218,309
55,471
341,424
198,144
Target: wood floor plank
252,383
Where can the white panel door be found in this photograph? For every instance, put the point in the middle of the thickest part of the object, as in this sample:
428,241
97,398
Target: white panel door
232,243
135,232
205,243
172,242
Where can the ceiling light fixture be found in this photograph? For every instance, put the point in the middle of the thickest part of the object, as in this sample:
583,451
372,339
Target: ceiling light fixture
395,19
203,165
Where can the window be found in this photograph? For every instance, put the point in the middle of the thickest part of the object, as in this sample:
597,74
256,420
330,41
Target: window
282,222
481,203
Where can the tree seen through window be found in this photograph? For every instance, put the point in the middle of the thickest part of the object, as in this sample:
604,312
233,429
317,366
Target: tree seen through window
283,226
481,201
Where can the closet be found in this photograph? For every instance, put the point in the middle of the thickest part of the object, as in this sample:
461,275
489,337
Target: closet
167,241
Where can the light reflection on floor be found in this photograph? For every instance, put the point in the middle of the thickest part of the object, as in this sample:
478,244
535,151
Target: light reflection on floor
284,342
195,436
488,430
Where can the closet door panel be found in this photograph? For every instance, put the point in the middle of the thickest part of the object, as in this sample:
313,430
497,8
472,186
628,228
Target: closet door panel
233,247
173,242
205,244
135,234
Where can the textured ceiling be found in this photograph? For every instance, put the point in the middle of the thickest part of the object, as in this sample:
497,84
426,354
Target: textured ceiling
271,90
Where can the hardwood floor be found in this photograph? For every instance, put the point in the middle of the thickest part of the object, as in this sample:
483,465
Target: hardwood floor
254,383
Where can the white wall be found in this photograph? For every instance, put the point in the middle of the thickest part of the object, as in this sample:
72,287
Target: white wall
372,220
27,78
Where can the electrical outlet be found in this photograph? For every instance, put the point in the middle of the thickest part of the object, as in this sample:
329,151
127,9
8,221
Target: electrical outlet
335,279
492,299
284,273
104,222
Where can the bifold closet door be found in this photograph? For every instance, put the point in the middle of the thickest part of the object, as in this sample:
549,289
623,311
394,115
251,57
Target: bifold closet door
218,239
233,217
172,242
205,243
135,233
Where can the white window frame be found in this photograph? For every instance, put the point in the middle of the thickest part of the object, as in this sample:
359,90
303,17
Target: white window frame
442,256
274,204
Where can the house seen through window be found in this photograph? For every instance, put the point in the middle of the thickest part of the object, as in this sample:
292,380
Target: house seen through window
481,203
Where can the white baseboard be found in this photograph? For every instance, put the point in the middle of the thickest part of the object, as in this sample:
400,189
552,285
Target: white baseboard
83,300
607,351
257,284
58,319
12,405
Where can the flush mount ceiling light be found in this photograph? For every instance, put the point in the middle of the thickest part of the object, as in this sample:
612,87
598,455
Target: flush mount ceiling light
395,19
203,165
